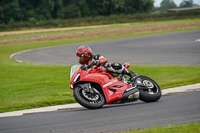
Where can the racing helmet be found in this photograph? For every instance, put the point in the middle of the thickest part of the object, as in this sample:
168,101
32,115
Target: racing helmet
83,53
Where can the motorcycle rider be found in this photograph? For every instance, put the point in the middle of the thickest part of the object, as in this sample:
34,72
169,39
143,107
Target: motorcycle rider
88,60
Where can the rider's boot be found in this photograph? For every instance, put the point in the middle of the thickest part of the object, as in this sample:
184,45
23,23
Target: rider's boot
131,74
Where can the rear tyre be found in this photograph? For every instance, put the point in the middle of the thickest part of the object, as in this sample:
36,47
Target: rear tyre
89,100
150,91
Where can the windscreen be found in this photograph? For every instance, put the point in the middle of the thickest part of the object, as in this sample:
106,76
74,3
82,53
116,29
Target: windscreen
74,68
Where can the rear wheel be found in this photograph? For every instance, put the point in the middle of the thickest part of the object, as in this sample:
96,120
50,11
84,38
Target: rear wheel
90,100
150,90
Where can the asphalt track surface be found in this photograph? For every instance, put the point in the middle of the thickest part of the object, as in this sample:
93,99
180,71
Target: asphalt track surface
180,48
169,110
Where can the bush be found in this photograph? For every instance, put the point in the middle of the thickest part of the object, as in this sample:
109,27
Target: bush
99,20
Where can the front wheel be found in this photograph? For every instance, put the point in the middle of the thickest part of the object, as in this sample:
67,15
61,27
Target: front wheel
149,89
89,100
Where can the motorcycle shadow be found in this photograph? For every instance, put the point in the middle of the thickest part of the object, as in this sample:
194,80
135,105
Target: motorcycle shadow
123,104
109,106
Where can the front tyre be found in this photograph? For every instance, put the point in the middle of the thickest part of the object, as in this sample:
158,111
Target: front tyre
89,100
149,89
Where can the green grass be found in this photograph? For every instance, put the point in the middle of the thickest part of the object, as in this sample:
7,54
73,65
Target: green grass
105,28
28,86
170,76
24,85
185,128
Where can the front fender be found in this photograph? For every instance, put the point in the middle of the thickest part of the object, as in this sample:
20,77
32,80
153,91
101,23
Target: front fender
85,86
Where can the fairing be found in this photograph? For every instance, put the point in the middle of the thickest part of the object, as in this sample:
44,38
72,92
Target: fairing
113,89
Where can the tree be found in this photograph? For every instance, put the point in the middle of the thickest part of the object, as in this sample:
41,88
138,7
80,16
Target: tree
12,12
37,10
83,8
117,6
147,5
58,6
167,4
1,14
138,6
45,9
186,3
96,7
70,11
28,9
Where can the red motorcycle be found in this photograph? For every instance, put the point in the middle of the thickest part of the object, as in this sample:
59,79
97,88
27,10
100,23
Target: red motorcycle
94,87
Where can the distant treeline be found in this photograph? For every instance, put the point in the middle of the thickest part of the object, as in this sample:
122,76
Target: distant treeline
99,20
12,11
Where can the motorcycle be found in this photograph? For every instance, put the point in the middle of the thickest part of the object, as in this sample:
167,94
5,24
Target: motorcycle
96,86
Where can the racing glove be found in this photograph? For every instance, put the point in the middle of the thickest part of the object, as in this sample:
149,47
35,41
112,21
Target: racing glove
95,62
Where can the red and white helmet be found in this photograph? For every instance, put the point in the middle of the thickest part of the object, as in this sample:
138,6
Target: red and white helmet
83,53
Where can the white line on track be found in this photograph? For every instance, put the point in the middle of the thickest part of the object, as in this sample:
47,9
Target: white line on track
11,56
197,40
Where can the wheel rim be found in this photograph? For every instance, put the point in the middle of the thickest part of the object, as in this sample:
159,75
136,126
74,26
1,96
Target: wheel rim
148,84
94,98
152,88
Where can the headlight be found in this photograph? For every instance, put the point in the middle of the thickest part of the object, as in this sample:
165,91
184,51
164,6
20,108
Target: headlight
71,86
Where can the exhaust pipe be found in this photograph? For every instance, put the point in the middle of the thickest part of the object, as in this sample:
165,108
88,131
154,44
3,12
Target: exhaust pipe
132,95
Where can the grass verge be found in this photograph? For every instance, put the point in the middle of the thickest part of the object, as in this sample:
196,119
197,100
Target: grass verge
94,31
25,86
185,128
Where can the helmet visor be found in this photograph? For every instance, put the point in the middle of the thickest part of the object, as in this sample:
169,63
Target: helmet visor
83,58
